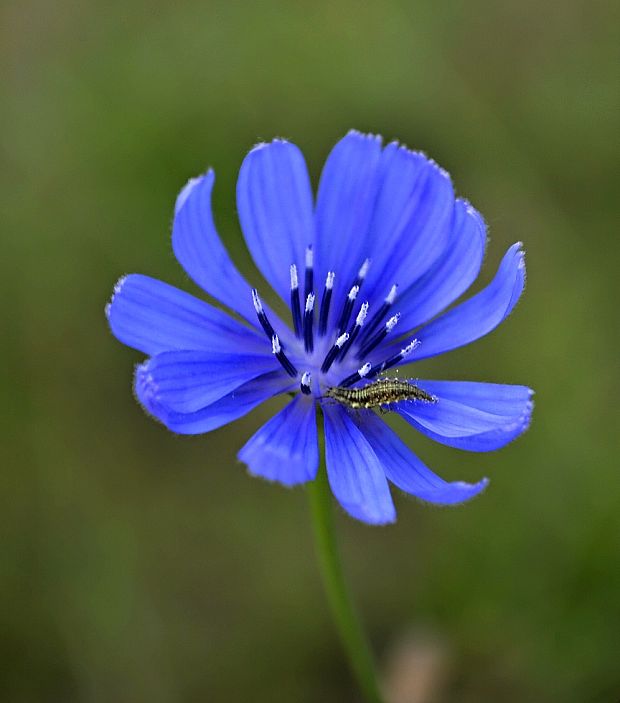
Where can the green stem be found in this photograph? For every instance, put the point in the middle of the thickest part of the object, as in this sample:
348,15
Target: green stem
346,618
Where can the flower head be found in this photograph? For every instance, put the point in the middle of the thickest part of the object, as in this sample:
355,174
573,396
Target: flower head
384,251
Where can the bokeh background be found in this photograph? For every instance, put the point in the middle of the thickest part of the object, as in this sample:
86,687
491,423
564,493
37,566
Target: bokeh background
140,566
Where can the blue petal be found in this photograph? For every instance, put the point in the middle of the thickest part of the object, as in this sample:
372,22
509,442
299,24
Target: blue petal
186,381
452,274
200,251
274,199
355,473
407,472
497,398
344,209
479,315
478,417
471,319
153,317
231,407
412,219
286,448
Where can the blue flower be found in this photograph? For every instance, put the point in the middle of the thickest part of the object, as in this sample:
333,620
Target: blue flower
386,248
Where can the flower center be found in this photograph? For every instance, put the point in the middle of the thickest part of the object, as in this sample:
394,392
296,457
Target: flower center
333,356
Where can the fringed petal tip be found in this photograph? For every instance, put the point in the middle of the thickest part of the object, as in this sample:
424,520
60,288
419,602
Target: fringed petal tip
145,391
520,425
402,148
191,185
289,476
454,493
418,154
476,215
364,136
118,286
259,146
519,253
368,514
395,144
285,449
526,418
261,473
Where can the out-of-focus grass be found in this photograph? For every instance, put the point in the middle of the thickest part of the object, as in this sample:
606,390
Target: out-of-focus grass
142,566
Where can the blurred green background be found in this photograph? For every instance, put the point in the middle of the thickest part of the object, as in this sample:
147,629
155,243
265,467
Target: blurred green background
140,566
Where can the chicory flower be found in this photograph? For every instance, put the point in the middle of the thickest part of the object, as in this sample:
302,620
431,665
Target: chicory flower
367,272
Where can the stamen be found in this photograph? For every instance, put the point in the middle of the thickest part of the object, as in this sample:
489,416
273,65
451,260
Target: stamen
262,318
309,271
362,314
308,322
295,304
381,313
361,274
333,352
391,296
393,360
350,301
325,302
258,306
348,307
357,376
306,383
359,323
276,349
378,337
365,369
